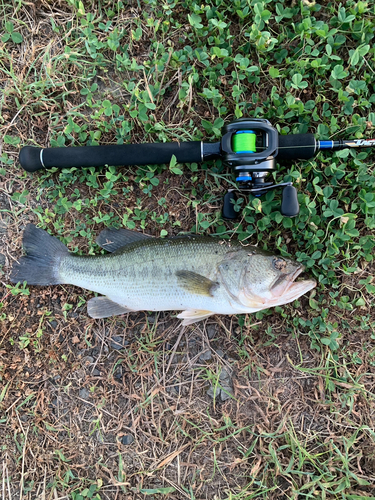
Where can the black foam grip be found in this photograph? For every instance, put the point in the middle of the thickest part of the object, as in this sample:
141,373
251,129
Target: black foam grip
97,156
296,147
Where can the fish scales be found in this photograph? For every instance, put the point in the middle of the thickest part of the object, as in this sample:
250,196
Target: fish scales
143,274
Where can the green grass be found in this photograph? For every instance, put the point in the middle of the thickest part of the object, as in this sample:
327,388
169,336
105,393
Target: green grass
299,424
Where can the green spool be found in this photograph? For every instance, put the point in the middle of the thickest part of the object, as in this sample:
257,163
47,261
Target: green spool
244,141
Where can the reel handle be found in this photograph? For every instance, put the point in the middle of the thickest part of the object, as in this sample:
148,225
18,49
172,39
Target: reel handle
228,211
289,202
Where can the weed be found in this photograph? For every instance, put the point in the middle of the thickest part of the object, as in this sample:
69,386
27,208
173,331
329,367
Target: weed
299,421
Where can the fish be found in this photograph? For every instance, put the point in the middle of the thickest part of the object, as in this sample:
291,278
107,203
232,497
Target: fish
198,275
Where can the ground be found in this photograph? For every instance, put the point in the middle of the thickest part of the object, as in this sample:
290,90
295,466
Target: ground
275,405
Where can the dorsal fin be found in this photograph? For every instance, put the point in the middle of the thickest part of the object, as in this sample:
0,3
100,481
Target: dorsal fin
113,239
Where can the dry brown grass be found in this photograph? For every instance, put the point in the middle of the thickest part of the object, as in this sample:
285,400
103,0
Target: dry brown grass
299,422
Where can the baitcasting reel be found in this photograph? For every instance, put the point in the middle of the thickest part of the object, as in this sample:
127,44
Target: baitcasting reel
249,147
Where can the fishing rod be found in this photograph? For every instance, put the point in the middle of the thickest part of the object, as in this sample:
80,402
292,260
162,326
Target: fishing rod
249,147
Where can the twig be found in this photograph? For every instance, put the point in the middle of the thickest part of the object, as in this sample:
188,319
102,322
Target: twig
162,78
173,353
23,463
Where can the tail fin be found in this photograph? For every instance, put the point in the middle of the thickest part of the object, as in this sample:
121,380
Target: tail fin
41,264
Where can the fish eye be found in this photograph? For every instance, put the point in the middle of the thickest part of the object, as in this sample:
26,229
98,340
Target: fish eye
279,264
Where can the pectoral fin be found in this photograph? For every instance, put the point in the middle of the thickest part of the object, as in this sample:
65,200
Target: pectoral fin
103,307
113,239
193,316
196,283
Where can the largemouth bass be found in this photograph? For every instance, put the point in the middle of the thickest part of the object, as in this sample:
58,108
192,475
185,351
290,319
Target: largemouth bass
198,275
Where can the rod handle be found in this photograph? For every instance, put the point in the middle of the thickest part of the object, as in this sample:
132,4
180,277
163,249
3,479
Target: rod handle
29,158
34,158
296,147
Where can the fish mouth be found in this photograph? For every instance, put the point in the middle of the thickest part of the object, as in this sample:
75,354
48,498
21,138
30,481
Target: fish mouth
288,289
285,281
283,291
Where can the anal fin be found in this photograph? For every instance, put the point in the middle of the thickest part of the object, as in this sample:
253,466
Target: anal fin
103,307
193,316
